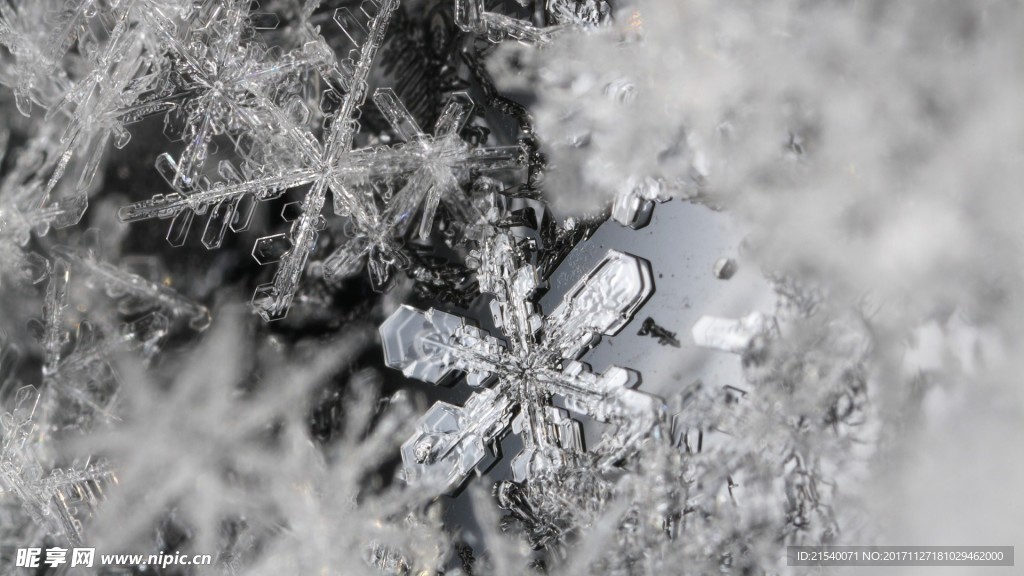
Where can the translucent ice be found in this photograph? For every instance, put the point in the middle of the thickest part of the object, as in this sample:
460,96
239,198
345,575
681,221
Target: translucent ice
538,362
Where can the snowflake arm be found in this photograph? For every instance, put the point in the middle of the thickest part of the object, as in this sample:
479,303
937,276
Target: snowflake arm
119,283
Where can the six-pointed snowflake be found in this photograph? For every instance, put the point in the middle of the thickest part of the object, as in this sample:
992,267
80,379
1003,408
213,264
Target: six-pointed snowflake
519,377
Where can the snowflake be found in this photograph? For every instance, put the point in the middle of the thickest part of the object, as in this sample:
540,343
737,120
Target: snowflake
83,375
38,48
433,168
25,207
318,164
337,521
135,292
57,501
209,442
224,73
538,362
124,84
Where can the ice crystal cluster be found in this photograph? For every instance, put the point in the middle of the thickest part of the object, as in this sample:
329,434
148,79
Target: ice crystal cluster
507,286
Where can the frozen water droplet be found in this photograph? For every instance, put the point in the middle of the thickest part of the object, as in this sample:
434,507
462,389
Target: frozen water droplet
725,268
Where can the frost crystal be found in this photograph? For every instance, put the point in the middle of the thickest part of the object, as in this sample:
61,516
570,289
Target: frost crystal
472,16
58,500
183,423
488,164
84,375
136,292
735,336
520,377
26,208
332,165
435,167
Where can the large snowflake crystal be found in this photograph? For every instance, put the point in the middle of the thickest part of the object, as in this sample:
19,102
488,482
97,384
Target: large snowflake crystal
538,361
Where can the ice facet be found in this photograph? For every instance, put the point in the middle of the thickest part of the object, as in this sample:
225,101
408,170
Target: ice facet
730,335
270,249
452,442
